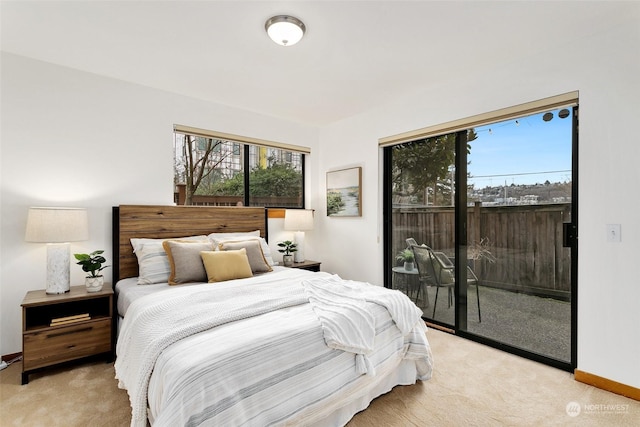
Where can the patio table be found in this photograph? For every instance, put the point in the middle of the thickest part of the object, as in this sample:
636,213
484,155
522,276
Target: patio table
410,280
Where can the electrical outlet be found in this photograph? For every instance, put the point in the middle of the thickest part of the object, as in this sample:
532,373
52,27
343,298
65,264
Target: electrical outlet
613,233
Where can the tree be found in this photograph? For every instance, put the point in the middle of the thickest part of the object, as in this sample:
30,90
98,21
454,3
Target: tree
198,159
423,165
277,180
233,186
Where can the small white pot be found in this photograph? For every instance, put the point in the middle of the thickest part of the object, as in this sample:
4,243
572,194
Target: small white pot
408,266
94,284
288,260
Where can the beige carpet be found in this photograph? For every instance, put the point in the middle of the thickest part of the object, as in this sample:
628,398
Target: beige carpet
472,385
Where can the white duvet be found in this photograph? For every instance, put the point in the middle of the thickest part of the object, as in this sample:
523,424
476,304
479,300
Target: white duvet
252,352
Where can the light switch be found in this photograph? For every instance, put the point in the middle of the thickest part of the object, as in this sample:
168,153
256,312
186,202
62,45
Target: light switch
613,233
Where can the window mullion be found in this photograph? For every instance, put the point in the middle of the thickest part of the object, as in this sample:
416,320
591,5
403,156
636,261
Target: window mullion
245,167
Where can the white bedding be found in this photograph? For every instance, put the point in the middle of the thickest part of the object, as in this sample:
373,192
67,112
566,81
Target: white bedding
269,369
128,290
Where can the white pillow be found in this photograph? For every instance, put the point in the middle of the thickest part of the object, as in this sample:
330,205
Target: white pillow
226,236
137,243
217,238
153,264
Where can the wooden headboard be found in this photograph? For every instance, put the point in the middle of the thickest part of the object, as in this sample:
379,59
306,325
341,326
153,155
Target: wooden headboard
165,222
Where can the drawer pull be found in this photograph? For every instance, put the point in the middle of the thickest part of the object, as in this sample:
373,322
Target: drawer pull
59,334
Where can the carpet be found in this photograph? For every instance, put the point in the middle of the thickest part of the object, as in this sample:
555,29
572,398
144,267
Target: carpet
472,385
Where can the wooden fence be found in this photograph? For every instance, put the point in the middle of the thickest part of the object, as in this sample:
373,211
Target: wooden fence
525,240
271,201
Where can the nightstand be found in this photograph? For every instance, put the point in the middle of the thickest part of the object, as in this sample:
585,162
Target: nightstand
64,327
307,265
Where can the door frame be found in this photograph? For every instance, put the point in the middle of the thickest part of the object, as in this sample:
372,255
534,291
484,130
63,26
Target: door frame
460,306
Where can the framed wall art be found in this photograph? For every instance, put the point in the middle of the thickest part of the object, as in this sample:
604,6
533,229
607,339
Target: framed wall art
344,192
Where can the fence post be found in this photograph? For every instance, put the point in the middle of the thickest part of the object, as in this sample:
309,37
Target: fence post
477,223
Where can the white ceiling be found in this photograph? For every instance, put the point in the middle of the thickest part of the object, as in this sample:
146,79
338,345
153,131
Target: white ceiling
355,54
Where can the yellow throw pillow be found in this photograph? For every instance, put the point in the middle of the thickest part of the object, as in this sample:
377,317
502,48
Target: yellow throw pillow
226,265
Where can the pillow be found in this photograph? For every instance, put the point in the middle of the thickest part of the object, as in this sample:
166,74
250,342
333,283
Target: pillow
153,264
266,250
138,242
226,236
218,238
254,253
226,265
185,261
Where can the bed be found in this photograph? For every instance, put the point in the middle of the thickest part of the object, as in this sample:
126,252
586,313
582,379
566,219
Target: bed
280,347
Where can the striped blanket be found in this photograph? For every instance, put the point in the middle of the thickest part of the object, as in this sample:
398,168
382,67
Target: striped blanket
250,352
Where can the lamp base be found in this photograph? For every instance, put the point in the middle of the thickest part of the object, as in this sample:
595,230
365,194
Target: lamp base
298,238
58,268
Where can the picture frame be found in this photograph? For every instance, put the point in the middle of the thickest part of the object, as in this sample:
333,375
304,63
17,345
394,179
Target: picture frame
344,192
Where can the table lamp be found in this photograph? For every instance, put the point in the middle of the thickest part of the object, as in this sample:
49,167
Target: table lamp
57,227
298,220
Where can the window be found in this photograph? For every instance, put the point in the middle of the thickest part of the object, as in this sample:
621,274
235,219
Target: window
216,169
274,180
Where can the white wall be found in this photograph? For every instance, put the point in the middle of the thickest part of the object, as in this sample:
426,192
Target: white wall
76,139
604,69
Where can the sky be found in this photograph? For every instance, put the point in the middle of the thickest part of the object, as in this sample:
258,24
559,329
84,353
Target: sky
528,150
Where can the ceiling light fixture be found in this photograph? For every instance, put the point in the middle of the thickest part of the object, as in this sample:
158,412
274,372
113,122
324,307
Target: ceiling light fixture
285,30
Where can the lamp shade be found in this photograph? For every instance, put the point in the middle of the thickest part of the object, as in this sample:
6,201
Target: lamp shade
285,30
57,225
298,219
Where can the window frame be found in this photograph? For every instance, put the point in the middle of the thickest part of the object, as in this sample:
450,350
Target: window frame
244,143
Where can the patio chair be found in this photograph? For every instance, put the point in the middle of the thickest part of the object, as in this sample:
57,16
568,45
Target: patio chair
436,269
411,242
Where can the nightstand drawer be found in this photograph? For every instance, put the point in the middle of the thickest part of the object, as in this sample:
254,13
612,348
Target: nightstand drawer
55,345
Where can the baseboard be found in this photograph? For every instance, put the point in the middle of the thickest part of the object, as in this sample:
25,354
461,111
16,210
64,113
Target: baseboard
607,384
440,328
12,356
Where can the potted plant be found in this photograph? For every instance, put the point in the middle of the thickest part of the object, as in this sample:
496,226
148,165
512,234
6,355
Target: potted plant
288,248
92,264
407,257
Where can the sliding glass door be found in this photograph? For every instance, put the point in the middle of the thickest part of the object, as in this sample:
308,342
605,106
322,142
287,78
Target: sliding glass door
423,211
519,196
489,215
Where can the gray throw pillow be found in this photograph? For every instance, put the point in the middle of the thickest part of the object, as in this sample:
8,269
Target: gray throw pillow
257,260
185,260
